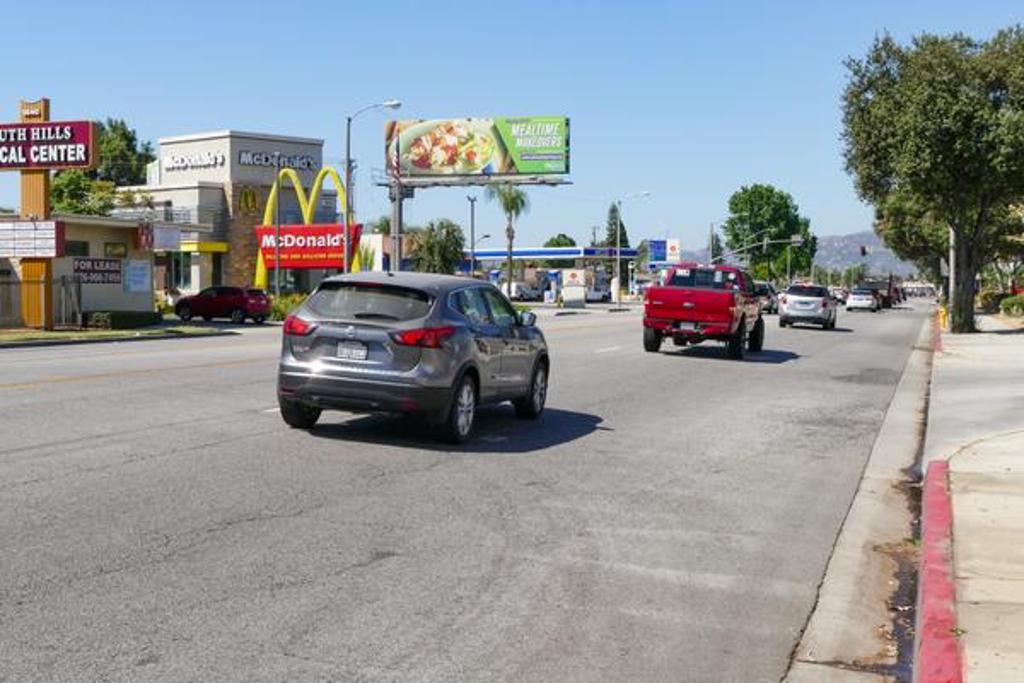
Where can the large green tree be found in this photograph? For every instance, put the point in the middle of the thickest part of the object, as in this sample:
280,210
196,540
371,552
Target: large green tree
123,157
75,193
439,247
761,220
122,161
612,227
514,203
559,240
938,126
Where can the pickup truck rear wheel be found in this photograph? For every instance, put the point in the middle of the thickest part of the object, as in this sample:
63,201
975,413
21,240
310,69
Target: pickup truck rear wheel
652,340
756,341
734,347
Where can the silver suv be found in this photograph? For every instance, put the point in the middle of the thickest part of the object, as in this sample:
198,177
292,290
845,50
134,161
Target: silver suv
437,345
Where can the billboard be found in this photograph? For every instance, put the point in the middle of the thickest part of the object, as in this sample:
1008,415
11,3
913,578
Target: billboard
52,145
307,246
530,145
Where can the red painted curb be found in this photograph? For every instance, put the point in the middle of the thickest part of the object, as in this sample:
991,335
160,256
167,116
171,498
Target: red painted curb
938,648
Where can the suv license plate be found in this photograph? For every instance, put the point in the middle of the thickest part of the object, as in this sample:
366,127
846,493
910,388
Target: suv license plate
687,327
352,351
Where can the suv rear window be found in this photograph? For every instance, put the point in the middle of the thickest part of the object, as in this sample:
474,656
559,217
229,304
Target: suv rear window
359,301
255,292
804,290
708,278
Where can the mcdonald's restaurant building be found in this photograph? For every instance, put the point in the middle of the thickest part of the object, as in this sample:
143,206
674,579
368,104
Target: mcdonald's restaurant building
223,179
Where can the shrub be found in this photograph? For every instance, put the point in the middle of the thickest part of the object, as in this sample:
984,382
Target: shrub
281,306
120,320
989,300
1012,305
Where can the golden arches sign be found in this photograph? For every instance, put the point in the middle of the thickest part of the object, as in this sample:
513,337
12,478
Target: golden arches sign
307,205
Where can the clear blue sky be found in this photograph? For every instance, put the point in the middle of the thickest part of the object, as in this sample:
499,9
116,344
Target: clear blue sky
683,101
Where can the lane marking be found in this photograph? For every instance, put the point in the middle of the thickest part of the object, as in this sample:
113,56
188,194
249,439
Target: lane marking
608,349
65,379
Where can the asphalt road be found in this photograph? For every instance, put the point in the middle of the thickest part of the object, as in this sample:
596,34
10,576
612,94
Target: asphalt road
669,518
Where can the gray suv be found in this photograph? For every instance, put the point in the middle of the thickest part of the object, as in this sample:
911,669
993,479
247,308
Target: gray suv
436,345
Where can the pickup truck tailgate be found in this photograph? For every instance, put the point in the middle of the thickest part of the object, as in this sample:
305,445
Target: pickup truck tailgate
692,305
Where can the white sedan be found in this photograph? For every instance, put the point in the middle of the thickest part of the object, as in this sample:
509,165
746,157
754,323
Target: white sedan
863,299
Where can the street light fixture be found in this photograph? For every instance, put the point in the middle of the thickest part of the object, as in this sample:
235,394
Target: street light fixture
386,104
618,243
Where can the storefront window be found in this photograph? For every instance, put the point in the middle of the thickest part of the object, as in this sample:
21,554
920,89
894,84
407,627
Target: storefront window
76,248
181,270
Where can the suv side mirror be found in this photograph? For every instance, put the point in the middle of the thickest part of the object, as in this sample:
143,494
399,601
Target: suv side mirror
527,318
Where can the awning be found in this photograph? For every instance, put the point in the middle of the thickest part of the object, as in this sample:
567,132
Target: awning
193,246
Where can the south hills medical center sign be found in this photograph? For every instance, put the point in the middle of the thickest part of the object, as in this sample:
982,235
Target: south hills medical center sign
47,145
306,246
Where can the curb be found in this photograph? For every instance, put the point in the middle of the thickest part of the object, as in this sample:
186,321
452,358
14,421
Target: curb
938,656
109,340
937,335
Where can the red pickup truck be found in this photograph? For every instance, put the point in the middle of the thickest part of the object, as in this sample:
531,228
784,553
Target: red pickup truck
698,302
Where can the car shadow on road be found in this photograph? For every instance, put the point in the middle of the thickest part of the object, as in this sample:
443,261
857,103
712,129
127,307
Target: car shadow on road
769,356
497,430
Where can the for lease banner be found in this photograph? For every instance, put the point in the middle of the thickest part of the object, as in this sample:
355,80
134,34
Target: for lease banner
98,271
307,246
530,145
53,144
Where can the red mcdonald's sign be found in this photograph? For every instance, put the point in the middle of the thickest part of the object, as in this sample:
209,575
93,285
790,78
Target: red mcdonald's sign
307,246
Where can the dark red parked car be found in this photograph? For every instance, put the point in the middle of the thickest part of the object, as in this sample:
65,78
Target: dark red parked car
236,303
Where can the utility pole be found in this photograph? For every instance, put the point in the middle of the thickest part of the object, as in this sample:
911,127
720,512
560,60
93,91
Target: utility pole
711,242
618,253
349,194
472,235
789,255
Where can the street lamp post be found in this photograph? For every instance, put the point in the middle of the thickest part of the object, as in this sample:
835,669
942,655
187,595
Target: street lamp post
472,235
618,244
387,104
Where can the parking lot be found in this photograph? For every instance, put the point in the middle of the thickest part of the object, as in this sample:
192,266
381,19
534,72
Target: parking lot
668,518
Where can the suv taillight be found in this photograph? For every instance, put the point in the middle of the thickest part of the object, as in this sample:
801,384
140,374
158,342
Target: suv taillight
427,337
297,327
824,302
782,299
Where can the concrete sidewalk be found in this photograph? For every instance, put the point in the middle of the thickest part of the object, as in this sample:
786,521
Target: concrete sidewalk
976,422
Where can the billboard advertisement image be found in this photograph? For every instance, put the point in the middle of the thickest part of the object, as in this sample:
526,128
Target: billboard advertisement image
531,145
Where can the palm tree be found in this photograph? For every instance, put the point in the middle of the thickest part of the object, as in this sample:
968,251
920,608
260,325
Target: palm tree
514,203
439,247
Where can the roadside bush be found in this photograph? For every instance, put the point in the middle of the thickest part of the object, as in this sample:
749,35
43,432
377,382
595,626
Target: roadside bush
989,300
1012,305
120,320
281,306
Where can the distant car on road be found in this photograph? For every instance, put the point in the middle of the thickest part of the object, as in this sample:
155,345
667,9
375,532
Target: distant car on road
521,291
236,303
807,304
864,300
435,345
838,293
698,302
769,298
